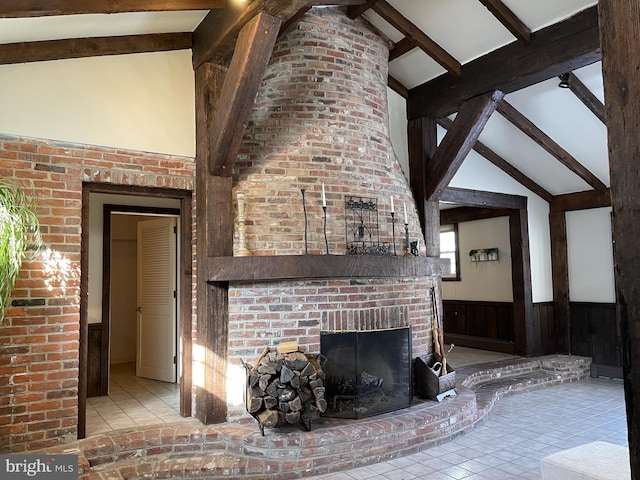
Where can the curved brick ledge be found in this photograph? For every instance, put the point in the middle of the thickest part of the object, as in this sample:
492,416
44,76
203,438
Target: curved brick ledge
190,450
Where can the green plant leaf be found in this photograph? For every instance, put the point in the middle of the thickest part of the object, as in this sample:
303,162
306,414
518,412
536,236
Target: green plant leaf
18,224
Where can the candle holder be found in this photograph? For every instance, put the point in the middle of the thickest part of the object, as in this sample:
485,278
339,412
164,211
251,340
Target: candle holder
306,228
326,242
407,252
242,250
393,231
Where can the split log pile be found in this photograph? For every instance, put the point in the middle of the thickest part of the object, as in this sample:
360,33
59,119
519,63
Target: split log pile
285,388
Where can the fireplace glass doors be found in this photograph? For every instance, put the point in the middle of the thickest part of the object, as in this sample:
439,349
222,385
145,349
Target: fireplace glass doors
367,372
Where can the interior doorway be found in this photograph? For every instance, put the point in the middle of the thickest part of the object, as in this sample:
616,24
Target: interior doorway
135,334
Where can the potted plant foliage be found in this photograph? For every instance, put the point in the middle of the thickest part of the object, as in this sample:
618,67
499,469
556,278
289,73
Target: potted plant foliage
18,223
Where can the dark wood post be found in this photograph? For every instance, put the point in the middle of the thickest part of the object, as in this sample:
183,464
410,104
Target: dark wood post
560,278
214,224
619,40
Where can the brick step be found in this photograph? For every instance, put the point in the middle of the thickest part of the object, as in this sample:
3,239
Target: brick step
237,450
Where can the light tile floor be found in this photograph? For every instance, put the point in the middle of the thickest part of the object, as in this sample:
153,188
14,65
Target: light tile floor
132,401
520,431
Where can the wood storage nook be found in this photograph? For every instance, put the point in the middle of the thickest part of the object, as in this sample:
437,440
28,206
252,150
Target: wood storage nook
285,387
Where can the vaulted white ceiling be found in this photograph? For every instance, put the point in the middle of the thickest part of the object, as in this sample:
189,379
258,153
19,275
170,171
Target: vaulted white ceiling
465,29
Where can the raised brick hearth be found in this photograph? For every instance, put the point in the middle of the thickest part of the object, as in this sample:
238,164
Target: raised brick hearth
239,451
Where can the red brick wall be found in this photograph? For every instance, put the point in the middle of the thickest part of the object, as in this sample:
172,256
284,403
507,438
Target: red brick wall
321,116
39,338
263,315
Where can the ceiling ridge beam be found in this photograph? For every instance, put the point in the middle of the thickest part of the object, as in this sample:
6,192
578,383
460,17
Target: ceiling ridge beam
458,142
527,127
503,165
585,95
43,8
509,19
26,52
426,44
238,93
554,50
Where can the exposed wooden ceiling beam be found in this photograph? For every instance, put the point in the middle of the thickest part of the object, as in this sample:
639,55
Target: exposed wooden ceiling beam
534,133
249,62
40,8
92,47
397,87
403,46
580,201
478,198
508,19
469,214
585,95
503,165
426,44
458,142
215,38
356,11
559,48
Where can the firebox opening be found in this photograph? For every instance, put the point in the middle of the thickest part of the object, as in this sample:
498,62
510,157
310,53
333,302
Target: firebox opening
367,372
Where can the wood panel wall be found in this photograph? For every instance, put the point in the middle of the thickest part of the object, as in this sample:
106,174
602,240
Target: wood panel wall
94,361
480,324
594,333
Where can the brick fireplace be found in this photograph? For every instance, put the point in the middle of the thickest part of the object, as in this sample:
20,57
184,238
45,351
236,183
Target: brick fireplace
321,121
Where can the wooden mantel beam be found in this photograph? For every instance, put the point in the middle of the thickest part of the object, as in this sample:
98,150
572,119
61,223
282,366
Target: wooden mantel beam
215,38
554,50
41,8
458,142
239,90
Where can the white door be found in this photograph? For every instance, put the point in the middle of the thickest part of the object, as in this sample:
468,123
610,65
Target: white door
157,297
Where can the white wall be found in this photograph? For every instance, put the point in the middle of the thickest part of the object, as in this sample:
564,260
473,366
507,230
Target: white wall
590,252
488,281
141,102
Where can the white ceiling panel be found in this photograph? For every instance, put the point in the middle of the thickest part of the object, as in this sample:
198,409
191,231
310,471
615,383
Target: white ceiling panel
453,23
542,13
563,117
15,30
523,153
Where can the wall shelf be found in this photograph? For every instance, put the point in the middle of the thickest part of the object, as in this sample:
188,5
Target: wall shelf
484,255
294,267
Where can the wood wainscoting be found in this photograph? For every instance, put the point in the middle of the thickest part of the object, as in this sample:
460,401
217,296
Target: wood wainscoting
96,376
595,333
479,324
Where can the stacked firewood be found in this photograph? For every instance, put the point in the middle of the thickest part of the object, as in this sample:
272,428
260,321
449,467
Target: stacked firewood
285,387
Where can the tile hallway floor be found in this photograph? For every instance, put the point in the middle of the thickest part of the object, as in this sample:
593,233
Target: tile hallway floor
132,401
520,431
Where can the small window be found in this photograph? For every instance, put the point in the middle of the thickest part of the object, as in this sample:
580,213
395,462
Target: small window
449,249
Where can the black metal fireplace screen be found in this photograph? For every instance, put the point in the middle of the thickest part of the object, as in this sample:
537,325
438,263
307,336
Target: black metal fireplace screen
367,372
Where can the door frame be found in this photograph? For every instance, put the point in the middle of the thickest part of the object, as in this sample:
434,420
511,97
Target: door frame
475,204
184,277
105,346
